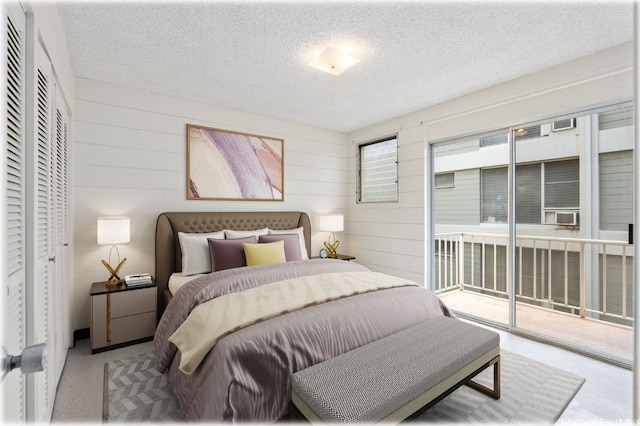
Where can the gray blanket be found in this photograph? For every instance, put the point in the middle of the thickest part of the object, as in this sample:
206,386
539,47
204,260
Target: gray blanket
247,374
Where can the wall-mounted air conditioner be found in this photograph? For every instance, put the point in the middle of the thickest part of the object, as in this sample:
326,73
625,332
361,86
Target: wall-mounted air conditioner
567,124
567,218
545,129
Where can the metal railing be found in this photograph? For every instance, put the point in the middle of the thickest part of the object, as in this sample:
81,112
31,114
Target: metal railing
583,277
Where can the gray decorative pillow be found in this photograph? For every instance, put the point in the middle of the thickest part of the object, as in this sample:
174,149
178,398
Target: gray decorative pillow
291,244
300,232
227,254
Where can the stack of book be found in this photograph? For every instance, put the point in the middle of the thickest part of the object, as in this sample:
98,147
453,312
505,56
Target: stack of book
137,279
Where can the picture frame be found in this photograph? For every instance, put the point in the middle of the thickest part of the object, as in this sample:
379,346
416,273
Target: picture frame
230,165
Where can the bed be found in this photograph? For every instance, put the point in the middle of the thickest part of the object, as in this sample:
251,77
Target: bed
243,373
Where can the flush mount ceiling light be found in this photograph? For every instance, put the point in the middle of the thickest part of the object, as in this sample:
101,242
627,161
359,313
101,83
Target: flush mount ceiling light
334,60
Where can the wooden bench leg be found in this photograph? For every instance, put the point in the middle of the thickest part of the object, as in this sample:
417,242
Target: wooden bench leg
495,392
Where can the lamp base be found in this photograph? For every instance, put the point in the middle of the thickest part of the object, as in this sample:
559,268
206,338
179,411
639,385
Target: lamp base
114,281
332,247
114,278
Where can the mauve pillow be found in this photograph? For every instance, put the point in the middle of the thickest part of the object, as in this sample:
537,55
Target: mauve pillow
291,244
227,254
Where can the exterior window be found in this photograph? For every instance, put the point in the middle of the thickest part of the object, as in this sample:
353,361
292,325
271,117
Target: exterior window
561,190
493,140
378,171
562,184
621,117
520,134
528,193
444,180
494,195
527,133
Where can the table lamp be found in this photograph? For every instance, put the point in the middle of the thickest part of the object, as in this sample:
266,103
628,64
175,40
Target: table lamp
113,231
332,223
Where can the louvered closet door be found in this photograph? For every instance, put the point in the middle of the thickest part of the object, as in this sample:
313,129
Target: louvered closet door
39,217
58,320
13,386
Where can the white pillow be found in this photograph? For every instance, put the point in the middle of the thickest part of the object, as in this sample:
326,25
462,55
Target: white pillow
300,232
231,234
195,251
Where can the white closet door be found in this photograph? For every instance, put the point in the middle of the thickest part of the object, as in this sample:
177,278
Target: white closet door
39,258
36,296
13,386
59,241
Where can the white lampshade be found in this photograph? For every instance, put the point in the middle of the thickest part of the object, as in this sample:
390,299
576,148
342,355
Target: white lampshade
113,230
332,223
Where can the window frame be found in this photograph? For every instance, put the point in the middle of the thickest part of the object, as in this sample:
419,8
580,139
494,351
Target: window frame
359,159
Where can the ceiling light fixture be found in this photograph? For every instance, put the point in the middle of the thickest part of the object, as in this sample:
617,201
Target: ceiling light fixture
334,60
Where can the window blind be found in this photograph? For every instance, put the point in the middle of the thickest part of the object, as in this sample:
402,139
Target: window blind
562,184
494,195
378,171
528,196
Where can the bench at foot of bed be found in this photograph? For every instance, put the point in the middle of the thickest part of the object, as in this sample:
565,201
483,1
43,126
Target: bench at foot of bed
399,376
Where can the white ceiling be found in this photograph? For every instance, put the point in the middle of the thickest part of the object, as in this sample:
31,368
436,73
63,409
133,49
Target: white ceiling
252,56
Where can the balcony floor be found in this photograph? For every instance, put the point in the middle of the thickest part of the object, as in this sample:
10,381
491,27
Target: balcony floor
611,341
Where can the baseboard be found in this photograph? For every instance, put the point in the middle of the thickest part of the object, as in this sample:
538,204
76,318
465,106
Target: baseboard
83,333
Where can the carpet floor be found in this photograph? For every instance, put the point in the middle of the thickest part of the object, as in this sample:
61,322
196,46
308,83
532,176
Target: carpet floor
532,392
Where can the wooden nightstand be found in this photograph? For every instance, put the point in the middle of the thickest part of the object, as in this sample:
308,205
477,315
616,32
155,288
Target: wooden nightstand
121,315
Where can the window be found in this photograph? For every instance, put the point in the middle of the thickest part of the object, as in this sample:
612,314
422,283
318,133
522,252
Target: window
561,190
562,184
528,193
378,171
520,134
444,180
493,140
494,195
527,133
620,117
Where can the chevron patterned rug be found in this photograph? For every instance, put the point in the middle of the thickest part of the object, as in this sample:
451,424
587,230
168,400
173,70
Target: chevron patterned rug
532,392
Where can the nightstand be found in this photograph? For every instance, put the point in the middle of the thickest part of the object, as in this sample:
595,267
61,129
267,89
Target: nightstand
339,257
345,257
121,315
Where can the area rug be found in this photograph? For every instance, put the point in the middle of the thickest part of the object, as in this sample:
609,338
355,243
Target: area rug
532,392
135,391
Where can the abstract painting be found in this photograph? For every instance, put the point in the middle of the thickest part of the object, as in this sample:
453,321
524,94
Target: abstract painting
228,165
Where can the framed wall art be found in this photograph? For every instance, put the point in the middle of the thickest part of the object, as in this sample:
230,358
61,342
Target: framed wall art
228,165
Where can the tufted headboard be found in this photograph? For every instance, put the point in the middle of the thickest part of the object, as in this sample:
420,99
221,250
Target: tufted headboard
169,256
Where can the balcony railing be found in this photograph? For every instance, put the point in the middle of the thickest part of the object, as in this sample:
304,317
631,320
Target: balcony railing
583,277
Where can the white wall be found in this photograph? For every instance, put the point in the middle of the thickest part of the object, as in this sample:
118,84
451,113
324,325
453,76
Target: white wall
390,237
130,159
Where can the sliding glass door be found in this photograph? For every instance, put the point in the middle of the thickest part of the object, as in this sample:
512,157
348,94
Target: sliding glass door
470,210
560,192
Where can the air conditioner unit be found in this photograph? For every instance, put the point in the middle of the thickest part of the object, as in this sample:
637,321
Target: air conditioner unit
545,129
566,218
567,124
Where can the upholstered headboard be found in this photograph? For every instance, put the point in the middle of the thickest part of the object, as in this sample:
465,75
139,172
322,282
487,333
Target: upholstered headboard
169,256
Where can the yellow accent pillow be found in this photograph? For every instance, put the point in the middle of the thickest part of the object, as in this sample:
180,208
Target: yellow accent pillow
264,253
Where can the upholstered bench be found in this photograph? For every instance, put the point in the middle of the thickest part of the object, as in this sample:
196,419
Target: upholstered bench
398,376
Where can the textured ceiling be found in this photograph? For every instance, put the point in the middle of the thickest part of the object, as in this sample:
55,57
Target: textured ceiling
252,56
